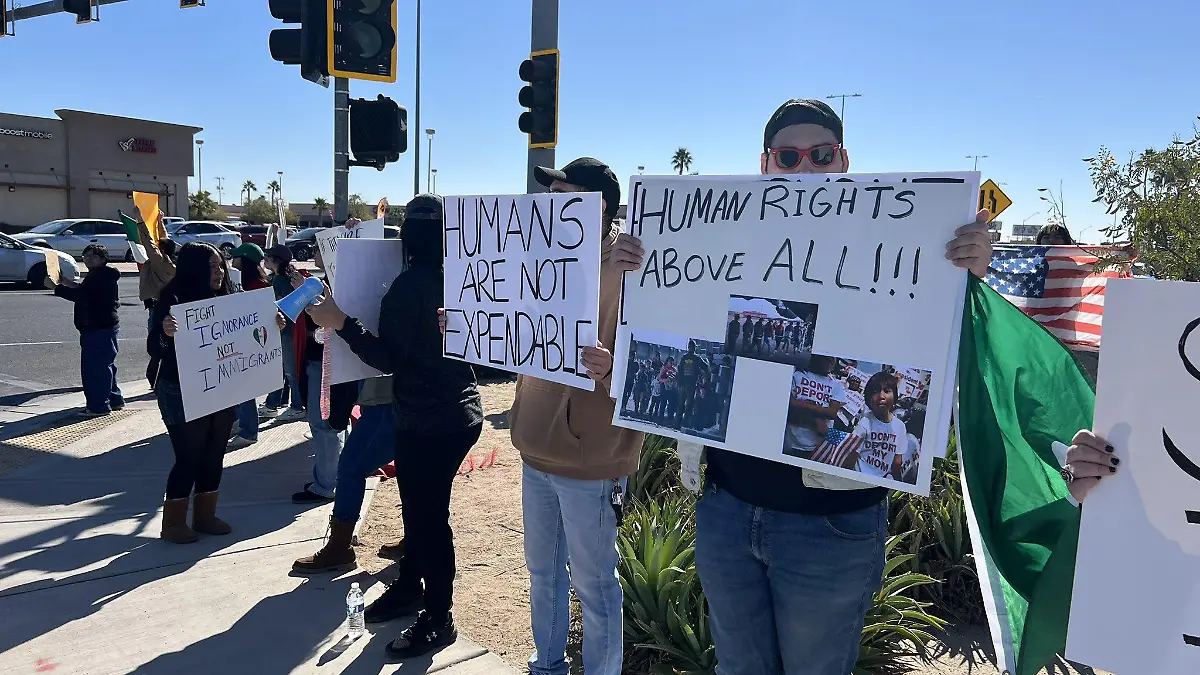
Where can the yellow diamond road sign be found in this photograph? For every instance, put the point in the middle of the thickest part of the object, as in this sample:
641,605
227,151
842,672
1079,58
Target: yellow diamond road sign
992,198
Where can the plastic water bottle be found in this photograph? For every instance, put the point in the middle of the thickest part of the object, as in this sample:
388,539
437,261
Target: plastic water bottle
354,612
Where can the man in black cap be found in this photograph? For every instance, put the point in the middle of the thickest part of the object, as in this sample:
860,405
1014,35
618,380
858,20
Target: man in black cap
790,558
575,469
96,302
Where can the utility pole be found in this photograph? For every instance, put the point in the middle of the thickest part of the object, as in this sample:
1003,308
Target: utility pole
341,150
417,111
429,161
842,114
976,158
543,34
200,162
220,189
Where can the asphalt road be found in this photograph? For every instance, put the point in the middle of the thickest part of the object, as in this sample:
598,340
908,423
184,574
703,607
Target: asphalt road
39,346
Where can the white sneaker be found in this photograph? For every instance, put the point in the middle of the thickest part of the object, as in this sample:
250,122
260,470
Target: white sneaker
292,415
238,442
267,413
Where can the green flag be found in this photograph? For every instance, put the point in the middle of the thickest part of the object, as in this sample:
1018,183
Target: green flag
131,228
1020,390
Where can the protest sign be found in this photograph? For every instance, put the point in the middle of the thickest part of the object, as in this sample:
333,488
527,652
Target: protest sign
235,279
787,286
1136,601
369,266
327,243
53,268
522,282
228,351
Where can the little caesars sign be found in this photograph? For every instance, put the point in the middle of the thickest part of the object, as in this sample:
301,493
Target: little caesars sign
26,133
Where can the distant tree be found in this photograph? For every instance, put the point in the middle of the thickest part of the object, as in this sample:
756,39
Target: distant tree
201,206
248,189
261,211
395,214
360,209
320,206
681,160
273,189
1155,198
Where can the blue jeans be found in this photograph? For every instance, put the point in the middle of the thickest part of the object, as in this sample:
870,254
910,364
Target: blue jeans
247,419
98,369
371,444
787,592
571,521
291,380
326,441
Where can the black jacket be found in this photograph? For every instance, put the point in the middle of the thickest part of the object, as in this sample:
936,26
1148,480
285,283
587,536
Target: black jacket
95,299
433,395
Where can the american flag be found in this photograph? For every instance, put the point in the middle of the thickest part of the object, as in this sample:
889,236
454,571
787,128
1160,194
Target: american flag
1057,286
836,447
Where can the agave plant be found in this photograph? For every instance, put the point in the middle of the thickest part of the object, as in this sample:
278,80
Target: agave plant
658,470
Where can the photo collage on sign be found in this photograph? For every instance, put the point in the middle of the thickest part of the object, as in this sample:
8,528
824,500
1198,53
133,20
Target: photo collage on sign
678,384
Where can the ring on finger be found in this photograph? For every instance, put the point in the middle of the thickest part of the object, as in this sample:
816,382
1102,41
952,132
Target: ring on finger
1068,474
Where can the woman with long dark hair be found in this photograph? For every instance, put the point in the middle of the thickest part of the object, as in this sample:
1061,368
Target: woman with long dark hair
200,273
438,420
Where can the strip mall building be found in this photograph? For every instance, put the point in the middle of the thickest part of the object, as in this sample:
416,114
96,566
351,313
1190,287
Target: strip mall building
87,165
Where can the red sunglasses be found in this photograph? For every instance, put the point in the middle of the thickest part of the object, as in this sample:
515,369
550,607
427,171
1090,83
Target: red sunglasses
819,155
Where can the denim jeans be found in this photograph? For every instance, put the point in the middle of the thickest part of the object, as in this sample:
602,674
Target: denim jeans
247,419
787,592
370,445
98,369
326,442
291,378
571,521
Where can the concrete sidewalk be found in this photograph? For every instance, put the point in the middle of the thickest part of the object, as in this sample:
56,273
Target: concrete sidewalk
86,586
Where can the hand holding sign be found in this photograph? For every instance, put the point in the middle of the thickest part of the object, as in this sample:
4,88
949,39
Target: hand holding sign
971,247
627,254
325,312
170,326
1089,459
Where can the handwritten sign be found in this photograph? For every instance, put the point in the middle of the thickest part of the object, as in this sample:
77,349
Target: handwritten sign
522,282
1136,602
369,266
53,269
327,243
228,351
832,272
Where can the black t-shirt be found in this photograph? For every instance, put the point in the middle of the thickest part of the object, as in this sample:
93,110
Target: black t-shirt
690,366
780,487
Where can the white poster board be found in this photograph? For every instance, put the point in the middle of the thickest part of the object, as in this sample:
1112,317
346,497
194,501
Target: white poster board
1136,603
228,351
522,282
328,239
53,267
852,270
235,279
368,270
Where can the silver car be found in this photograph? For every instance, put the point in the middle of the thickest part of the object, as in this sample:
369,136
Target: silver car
73,235
210,231
21,262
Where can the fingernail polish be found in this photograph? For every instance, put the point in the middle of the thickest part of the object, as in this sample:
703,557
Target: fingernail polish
1115,461
1108,448
1112,469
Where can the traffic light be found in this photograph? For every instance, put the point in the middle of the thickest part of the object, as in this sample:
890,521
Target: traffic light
82,9
378,131
303,46
362,39
541,97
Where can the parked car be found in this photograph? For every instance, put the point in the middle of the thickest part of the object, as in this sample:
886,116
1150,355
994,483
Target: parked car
21,262
303,244
253,234
168,221
207,230
72,235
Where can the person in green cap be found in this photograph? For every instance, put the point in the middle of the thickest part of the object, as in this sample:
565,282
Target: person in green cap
247,259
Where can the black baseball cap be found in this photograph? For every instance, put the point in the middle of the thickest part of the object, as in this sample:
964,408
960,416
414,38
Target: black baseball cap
802,111
279,252
425,206
588,173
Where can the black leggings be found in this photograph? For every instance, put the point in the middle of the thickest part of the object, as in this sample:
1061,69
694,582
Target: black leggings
199,448
425,469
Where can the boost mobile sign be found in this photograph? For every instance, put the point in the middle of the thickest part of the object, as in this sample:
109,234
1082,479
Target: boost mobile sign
26,133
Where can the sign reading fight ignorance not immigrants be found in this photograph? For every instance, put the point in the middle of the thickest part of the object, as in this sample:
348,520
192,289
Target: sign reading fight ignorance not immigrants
819,317
228,351
522,282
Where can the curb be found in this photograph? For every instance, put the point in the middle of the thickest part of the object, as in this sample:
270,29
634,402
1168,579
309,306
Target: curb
48,411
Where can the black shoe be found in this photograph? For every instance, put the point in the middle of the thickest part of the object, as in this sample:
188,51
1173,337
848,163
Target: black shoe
307,496
392,551
400,599
424,636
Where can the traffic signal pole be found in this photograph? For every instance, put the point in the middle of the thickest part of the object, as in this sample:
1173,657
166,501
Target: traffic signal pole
341,149
543,34
47,8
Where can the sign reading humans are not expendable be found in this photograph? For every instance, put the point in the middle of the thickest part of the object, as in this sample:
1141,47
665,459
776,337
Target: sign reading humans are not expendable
228,351
780,281
522,282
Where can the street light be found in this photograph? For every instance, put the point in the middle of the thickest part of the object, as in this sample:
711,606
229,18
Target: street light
976,158
200,164
280,181
842,114
434,172
641,169
429,160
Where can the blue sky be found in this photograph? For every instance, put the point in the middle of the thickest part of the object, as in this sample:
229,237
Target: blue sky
1035,86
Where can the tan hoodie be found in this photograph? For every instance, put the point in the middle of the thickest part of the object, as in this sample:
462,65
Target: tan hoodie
568,432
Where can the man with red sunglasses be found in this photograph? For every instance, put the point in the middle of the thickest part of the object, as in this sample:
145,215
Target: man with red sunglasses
791,558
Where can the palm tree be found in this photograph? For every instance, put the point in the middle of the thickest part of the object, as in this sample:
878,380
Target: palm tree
273,188
681,160
321,206
248,188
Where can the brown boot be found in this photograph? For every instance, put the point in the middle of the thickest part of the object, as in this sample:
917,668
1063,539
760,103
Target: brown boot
204,517
336,555
174,522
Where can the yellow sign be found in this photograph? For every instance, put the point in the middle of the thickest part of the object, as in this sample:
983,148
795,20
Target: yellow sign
992,198
147,206
381,208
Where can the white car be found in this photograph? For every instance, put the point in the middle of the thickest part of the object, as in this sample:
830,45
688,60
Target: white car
73,235
21,262
210,231
168,221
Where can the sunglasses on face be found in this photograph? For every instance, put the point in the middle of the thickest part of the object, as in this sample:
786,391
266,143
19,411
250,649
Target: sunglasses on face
819,155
